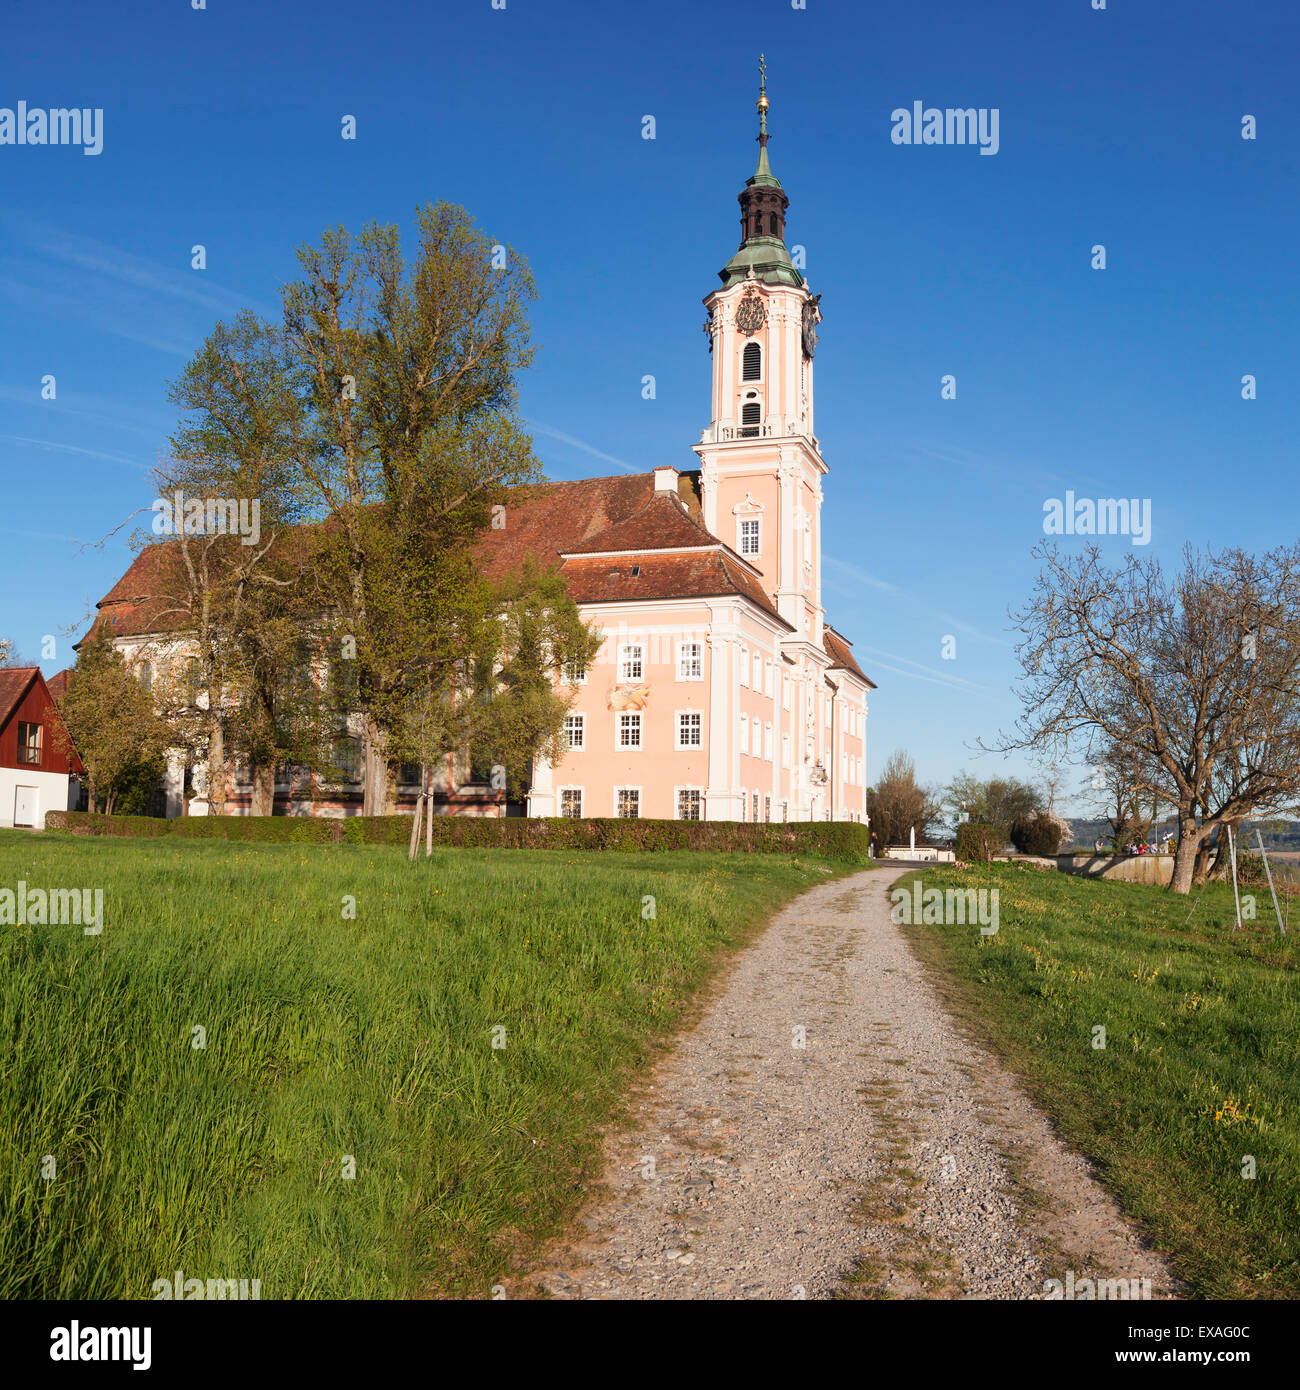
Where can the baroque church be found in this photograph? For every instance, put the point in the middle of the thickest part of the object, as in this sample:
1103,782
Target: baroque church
720,691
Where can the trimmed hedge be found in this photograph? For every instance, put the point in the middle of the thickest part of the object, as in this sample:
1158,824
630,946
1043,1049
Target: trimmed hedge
91,823
979,843
834,839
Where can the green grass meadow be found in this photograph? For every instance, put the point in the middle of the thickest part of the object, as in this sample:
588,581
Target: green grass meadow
328,1036
1199,1071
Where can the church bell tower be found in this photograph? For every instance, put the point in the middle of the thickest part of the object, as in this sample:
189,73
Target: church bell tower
761,466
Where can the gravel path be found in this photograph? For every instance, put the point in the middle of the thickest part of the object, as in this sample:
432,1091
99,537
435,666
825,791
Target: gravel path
826,1129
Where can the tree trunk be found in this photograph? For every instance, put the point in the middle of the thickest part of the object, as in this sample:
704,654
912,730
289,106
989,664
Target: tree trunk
376,786
1202,867
1185,855
263,799
216,768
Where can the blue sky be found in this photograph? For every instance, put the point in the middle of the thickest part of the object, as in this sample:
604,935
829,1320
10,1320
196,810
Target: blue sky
1120,127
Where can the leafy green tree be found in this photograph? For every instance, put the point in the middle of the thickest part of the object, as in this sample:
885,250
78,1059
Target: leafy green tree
999,801
414,435
108,718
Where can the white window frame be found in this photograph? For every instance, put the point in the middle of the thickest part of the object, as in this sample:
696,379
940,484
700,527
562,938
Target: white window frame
758,672
756,739
677,725
619,745
677,810
624,661
767,743
560,793
682,674
581,745
769,677
744,733
571,675
744,664
786,685
639,802
785,749
757,523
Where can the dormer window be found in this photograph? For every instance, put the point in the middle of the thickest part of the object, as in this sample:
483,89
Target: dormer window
752,363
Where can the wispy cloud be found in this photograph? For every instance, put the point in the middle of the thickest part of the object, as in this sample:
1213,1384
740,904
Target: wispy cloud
168,307
586,448
919,670
77,450
857,575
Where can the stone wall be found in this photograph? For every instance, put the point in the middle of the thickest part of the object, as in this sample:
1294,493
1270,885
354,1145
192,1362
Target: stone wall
1128,868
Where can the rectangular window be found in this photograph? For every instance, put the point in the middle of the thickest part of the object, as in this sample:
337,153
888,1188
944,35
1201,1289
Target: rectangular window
767,808
347,759
749,537
629,731
744,734
754,804
630,662
744,801
757,746
767,742
769,677
571,803
629,803
574,673
744,665
29,744
785,750
689,800
690,662
758,672
690,730
575,731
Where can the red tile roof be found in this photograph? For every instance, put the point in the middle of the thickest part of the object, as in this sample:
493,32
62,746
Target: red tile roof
694,574
561,525
839,649
57,684
14,681
662,524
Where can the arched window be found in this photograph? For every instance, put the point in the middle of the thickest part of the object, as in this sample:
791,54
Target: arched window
752,363
772,223
193,680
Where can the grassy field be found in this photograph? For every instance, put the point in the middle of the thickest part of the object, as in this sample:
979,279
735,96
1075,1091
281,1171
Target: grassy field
326,1037
1199,1072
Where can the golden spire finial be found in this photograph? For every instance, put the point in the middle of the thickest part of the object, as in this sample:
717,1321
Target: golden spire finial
762,93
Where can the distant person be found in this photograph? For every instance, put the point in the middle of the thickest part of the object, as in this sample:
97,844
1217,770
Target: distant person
1096,844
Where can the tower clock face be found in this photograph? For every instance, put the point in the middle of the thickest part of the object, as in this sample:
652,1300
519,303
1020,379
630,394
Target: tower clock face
809,329
750,315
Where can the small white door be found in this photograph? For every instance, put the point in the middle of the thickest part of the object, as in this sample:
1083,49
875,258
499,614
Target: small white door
25,806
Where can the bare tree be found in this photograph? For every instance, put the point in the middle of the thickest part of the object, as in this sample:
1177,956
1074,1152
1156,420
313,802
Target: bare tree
1191,674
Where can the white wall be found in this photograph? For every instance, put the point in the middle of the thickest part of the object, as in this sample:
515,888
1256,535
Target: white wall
51,792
